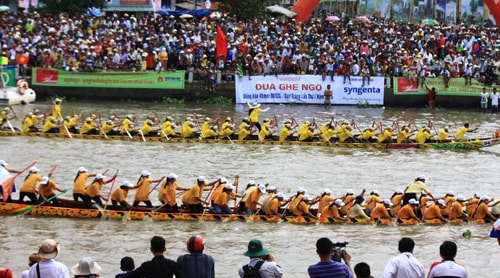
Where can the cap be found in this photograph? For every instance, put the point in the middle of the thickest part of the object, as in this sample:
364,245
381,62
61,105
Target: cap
145,173
48,249
228,186
33,169
195,244
441,202
172,176
399,191
375,192
262,188
460,198
82,169
99,177
413,202
3,163
301,190
387,202
421,177
251,182
201,178
306,198
339,203
350,192
126,184
223,180
86,266
44,180
451,193
280,195
484,198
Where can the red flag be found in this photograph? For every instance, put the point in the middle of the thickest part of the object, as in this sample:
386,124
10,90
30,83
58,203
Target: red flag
304,9
22,59
494,8
221,46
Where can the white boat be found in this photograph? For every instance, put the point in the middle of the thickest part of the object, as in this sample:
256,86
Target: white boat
21,94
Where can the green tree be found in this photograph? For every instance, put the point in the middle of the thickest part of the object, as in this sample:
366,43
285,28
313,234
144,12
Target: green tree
243,9
71,7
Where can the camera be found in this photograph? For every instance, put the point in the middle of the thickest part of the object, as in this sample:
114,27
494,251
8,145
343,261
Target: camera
339,250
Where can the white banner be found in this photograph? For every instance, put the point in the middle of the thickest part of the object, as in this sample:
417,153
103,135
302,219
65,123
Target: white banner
308,89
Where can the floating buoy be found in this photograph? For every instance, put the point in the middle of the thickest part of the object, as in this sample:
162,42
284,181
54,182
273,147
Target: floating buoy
467,234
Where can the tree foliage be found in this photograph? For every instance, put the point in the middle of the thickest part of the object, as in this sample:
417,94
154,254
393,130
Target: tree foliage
243,9
71,7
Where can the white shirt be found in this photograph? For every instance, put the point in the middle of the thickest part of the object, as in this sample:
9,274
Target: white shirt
267,270
448,269
49,269
494,99
404,266
484,97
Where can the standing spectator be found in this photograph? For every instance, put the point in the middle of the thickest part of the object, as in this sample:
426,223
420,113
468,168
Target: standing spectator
328,95
260,260
468,75
362,270
327,267
447,267
159,264
404,265
32,259
48,267
86,267
196,264
484,99
431,98
126,265
494,101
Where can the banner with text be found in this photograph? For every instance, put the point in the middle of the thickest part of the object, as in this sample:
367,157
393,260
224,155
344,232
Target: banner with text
456,87
140,80
308,89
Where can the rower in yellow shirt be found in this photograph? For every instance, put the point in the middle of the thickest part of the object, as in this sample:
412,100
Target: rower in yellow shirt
386,135
244,131
148,130
443,135
296,199
422,135
303,128
327,134
187,130
47,190
227,128
28,189
50,125
93,191
167,194
208,129
56,109
119,195
460,136
79,183
126,126
108,128
168,128
332,211
347,134
265,131
89,127
404,135
254,112
28,125
307,135
325,199
286,132
144,189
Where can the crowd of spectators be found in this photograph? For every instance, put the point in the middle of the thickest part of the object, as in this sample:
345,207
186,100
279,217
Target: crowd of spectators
262,46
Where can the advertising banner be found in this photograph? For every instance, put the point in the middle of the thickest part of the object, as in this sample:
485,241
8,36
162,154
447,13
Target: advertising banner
8,74
308,89
139,80
402,86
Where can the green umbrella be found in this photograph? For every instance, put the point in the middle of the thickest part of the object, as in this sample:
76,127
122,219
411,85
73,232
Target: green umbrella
429,21
4,8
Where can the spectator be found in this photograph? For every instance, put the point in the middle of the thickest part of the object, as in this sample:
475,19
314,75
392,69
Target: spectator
32,259
362,270
447,267
86,268
126,265
327,267
6,273
48,267
404,265
159,264
196,264
260,260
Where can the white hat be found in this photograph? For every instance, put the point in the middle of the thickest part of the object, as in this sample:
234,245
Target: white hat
349,192
99,177
327,191
223,180
413,202
86,266
306,198
387,202
171,176
375,192
460,198
421,177
44,180
201,178
82,169
127,184
262,188
301,190
441,202
485,197
145,173
48,249
399,191
3,163
451,193
252,182
228,186
339,203
255,105
280,195
272,188
33,169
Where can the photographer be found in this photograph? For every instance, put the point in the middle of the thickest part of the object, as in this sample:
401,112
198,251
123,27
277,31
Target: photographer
326,265
261,262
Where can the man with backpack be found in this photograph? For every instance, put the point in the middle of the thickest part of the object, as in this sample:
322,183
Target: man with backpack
262,263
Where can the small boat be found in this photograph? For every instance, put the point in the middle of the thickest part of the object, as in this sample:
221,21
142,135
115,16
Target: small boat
432,144
21,94
11,208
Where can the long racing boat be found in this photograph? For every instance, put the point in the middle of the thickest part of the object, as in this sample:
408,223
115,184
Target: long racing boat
253,140
9,208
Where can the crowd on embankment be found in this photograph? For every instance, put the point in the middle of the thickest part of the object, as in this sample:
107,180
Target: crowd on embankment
262,46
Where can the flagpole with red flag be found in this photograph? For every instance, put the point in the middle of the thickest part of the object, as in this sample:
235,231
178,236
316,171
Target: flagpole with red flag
221,45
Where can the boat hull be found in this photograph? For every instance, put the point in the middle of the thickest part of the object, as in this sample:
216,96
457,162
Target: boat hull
7,208
468,145
11,96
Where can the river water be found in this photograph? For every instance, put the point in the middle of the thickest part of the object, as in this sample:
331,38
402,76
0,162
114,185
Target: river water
287,167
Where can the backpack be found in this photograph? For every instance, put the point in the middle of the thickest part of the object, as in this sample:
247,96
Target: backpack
252,272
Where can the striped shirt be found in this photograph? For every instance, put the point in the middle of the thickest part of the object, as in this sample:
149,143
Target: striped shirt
196,265
329,269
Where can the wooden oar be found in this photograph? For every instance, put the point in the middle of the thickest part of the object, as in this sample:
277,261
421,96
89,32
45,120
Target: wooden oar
13,112
26,210
142,135
156,185
110,190
67,131
160,126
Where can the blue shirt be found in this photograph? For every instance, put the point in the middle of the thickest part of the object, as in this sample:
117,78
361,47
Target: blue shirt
196,265
329,269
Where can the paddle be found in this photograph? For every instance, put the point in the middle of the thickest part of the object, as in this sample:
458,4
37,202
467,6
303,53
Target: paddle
166,203
10,125
27,209
156,185
142,135
67,131
110,190
8,183
161,128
